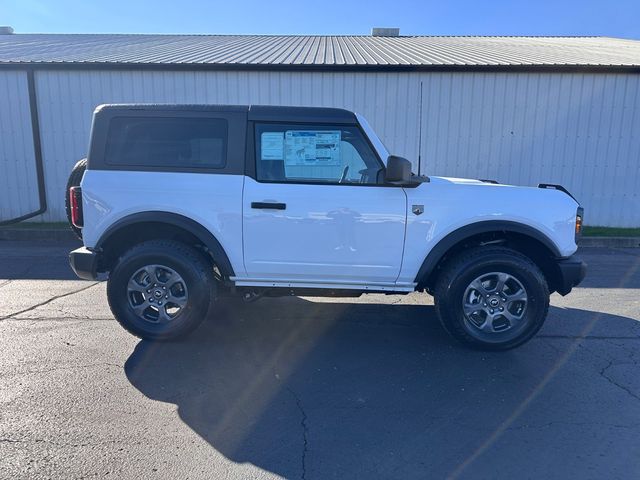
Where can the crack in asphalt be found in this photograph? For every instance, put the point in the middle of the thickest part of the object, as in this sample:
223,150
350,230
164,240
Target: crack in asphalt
612,363
55,297
305,432
613,382
631,352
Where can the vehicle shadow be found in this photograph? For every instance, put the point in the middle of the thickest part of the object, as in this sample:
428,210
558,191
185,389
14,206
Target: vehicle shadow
351,390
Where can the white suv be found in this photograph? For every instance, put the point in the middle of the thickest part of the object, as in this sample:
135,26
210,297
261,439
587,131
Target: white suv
183,203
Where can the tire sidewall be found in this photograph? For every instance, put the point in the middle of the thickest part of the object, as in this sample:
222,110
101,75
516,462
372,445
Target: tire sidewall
199,292
530,278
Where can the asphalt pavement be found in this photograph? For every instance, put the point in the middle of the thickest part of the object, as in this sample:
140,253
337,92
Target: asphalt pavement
313,388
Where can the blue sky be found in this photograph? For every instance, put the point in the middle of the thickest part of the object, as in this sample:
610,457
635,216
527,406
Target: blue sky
458,17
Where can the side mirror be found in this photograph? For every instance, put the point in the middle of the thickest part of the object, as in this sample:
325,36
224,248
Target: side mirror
398,170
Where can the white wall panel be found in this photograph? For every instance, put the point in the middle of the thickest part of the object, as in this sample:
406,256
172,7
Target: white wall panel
579,130
18,178
67,99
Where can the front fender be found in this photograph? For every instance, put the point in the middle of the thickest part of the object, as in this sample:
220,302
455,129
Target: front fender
443,245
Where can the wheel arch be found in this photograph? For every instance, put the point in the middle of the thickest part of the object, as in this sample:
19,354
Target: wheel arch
141,226
524,238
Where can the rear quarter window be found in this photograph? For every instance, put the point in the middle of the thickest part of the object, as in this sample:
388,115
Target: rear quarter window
166,142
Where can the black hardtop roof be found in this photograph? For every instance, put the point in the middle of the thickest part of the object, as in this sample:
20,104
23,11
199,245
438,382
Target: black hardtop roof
254,112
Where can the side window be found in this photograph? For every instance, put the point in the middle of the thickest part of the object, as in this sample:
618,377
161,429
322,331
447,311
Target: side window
314,153
167,142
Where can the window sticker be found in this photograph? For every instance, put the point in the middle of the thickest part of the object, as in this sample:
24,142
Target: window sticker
272,146
309,147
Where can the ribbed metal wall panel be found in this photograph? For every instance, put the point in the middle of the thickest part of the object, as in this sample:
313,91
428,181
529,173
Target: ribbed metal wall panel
576,129
66,101
18,180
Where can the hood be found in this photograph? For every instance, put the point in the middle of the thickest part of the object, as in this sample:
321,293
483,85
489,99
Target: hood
542,190
458,181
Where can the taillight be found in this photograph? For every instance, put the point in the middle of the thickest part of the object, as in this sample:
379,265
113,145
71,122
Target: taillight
75,201
579,218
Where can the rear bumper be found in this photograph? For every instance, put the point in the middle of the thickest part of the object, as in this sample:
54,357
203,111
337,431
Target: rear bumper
572,271
84,263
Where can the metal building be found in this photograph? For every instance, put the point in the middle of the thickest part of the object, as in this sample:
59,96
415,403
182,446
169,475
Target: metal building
520,110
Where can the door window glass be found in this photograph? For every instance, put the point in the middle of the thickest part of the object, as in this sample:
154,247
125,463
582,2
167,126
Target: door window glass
315,154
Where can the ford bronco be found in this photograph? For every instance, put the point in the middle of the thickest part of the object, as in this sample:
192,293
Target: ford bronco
182,204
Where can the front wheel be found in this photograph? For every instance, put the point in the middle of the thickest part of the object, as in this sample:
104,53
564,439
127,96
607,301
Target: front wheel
492,298
160,289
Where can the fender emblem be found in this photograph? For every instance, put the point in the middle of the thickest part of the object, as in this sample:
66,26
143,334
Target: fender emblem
417,209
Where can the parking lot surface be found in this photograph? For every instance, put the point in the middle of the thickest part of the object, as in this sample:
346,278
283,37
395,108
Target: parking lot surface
313,388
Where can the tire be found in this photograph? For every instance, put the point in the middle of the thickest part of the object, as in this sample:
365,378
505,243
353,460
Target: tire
147,308
472,278
74,180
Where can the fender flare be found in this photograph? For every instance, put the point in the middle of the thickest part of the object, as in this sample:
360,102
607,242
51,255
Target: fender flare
442,247
176,220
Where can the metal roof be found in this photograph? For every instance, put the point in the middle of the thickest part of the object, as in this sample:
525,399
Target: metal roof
320,52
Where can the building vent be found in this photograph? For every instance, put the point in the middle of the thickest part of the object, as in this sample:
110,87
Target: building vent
385,32
5,30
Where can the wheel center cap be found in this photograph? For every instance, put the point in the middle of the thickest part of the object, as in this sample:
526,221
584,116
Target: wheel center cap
157,294
494,302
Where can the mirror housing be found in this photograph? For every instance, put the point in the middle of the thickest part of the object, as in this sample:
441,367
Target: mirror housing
398,170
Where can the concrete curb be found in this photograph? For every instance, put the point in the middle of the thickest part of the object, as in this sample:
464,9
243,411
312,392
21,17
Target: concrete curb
66,235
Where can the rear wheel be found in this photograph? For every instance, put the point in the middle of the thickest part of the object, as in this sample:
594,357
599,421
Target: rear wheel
74,180
161,289
492,298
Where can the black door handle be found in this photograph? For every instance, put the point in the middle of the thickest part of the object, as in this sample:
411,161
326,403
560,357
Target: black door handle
269,205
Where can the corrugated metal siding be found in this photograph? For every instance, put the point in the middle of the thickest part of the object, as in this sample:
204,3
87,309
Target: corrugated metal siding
66,101
331,51
574,129
577,130
18,180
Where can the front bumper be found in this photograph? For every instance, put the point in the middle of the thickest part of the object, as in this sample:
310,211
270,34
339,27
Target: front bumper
84,263
572,271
